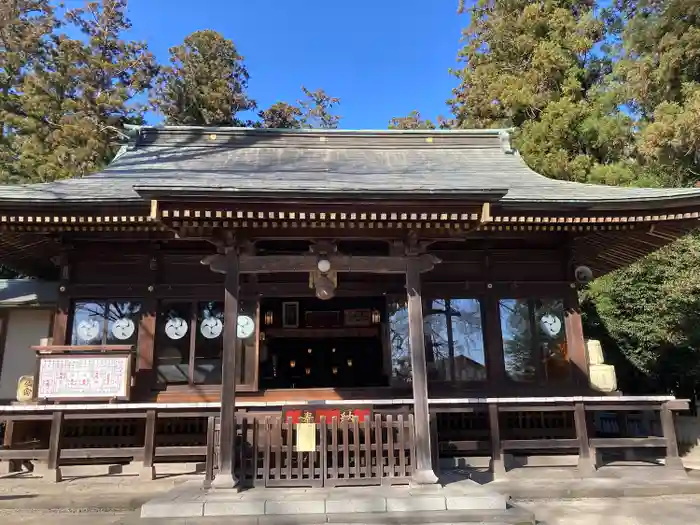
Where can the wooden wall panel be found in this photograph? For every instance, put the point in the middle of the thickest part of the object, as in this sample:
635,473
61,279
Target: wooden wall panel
186,269
527,271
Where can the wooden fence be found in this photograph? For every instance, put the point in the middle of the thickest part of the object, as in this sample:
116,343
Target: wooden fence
369,452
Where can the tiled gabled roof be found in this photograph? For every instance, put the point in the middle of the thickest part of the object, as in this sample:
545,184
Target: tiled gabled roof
335,163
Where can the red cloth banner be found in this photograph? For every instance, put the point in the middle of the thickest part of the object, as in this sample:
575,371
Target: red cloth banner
313,415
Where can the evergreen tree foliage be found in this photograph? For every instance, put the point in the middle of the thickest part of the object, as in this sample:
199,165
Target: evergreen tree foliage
316,109
313,110
280,115
71,98
658,75
411,121
205,83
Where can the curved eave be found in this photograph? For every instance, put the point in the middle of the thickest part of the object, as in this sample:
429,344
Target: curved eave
610,250
180,193
618,203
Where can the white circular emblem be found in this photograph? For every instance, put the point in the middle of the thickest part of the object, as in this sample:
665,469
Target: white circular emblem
176,328
211,327
123,328
88,330
551,325
246,327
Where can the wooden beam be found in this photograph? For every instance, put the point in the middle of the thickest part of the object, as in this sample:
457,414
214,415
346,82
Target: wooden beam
226,478
259,264
423,474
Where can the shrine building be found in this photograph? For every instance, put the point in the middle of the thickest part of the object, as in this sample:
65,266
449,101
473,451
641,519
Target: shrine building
412,295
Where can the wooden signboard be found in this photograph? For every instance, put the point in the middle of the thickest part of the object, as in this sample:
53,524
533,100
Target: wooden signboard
84,377
358,317
306,437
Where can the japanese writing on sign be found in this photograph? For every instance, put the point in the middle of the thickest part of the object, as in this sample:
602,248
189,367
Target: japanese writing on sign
78,377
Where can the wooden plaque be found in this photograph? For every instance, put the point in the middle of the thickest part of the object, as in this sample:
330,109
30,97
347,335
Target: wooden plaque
306,437
25,389
84,377
358,317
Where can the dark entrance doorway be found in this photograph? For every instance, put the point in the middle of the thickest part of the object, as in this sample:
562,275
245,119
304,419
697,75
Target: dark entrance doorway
309,343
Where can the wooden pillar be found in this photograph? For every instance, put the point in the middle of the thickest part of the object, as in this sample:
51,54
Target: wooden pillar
59,331
586,462
148,469
493,341
450,340
147,323
576,344
54,460
211,446
8,466
498,467
225,478
668,426
423,473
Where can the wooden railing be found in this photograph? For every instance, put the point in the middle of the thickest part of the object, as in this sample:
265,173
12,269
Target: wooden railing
553,427
366,452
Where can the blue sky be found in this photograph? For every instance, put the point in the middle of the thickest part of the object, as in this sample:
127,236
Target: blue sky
382,58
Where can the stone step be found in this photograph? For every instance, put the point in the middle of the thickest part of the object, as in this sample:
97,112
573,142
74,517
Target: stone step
510,516
210,505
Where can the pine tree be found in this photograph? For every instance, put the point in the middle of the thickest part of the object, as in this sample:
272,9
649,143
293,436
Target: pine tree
532,66
25,26
659,76
316,109
412,121
280,115
76,98
311,111
205,83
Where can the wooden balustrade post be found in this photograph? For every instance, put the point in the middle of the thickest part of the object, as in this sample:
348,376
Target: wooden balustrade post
586,462
423,474
53,472
148,470
498,467
673,459
209,465
435,442
225,477
9,466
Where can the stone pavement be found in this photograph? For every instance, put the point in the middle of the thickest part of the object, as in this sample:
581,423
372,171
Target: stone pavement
31,501
120,492
664,510
668,510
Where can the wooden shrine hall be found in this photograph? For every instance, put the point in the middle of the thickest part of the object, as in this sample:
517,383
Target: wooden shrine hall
315,307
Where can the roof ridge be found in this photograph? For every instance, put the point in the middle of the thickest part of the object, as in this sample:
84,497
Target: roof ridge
312,131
